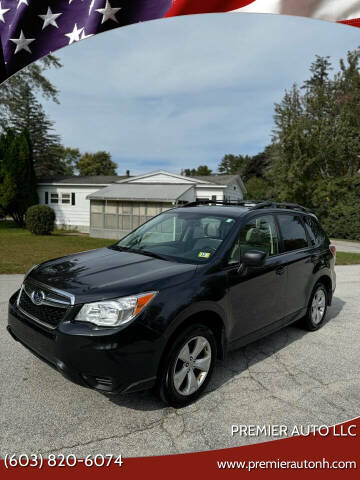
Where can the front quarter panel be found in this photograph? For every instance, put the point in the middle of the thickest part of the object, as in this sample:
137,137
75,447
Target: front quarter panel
205,292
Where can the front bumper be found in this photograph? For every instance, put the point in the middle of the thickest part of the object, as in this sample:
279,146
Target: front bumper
107,360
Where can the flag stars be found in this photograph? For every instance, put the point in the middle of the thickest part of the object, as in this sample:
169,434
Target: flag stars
22,43
50,18
83,35
2,13
74,36
108,12
21,2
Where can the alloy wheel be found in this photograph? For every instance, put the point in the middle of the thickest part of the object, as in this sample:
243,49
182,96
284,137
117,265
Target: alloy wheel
192,365
318,306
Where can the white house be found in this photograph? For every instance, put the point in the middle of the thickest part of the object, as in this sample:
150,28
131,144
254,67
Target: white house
110,207
68,197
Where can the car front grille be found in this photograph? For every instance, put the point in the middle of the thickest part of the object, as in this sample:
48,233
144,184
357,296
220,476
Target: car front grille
51,311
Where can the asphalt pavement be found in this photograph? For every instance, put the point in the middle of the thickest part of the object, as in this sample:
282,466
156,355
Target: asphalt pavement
346,246
291,377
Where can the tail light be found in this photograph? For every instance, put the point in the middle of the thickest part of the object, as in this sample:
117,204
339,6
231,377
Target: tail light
332,249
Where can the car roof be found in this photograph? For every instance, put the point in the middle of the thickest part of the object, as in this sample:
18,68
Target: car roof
221,210
242,209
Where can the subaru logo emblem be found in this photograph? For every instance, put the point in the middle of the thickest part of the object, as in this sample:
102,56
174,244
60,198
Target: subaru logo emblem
37,297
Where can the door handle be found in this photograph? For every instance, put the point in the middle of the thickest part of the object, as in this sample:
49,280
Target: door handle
280,271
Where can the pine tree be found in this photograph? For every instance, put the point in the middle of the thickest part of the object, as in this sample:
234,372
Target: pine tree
18,181
24,112
317,136
20,109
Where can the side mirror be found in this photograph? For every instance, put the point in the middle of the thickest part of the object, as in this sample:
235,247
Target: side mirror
253,258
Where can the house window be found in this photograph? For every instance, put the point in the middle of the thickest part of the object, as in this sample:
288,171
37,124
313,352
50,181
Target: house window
54,198
65,198
96,211
46,198
115,215
110,219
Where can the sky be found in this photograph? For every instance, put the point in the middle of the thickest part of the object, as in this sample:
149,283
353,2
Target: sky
182,92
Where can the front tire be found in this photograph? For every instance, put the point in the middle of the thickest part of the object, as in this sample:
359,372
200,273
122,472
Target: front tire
316,313
188,366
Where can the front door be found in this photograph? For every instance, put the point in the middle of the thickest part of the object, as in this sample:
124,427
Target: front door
256,294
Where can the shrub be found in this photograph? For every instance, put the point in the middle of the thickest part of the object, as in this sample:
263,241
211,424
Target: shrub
40,219
343,219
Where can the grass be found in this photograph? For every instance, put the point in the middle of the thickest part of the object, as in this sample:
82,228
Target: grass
20,250
344,240
347,258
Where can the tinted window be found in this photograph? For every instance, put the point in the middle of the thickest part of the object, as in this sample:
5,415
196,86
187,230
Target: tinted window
315,232
293,232
259,233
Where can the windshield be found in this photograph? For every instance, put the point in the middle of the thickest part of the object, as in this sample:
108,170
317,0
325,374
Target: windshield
182,236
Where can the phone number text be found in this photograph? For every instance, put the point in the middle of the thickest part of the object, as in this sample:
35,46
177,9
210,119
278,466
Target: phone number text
38,460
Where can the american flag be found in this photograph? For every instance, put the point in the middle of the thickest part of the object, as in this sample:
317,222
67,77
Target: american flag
30,29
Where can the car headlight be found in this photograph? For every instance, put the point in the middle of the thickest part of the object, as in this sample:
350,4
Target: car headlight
112,313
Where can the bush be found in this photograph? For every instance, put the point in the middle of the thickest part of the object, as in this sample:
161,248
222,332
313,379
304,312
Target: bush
343,219
40,219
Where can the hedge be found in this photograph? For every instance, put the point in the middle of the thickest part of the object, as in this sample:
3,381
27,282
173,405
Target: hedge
40,219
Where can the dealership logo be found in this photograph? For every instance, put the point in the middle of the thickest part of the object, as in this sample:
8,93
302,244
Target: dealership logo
38,297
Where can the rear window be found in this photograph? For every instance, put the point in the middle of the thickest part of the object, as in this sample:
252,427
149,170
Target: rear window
316,233
293,232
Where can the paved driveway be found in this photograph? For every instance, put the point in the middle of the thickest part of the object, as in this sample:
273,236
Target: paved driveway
345,246
291,377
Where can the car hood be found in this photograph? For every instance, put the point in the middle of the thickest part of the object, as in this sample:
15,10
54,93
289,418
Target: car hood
107,273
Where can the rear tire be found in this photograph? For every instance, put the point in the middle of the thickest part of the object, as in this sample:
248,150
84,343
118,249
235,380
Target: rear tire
317,308
188,366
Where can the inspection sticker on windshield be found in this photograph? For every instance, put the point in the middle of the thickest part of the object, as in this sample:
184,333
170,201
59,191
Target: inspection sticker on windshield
204,255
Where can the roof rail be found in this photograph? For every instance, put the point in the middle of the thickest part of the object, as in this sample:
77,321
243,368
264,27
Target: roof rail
244,203
290,206
252,204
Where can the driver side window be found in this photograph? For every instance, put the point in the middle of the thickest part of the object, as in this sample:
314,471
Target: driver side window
259,233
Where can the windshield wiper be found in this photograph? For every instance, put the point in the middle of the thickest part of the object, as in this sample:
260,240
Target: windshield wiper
151,254
142,252
125,249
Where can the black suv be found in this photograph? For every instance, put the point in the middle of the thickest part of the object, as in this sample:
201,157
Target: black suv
161,305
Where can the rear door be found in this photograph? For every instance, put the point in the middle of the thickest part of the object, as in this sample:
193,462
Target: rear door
296,253
256,294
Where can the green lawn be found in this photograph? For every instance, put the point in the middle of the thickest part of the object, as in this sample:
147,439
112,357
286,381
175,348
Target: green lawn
346,258
20,250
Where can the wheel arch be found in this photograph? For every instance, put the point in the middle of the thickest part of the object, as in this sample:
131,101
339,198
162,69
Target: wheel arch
205,314
327,282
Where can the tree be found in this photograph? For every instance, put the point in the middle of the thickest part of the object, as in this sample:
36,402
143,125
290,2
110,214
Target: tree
24,112
32,76
18,181
20,109
65,159
201,171
232,164
257,165
257,189
316,151
98,163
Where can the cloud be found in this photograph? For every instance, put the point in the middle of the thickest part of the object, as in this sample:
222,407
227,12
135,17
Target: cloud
181,92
